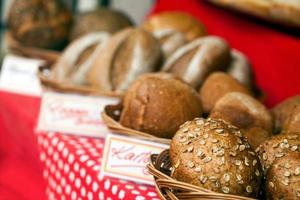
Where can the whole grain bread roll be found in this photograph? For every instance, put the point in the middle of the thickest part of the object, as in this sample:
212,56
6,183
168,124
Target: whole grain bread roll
283,111
184,23
40,23
246,113
100,20
78,57
194,61
283,177
127,55
277,147
213,154
240,68
216,86
158,103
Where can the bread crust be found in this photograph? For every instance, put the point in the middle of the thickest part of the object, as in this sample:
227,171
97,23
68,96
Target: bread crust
158,103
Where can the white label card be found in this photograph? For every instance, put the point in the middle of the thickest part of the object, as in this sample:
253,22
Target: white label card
127,158
19,75
74,114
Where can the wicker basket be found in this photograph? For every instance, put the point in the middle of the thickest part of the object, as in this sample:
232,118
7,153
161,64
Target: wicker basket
50,56
168,188
111,116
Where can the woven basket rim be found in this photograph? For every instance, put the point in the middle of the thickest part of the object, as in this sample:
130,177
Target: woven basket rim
116,127
165,185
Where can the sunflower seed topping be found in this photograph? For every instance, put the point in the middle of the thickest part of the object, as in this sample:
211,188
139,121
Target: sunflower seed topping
271,184
294,148
254,162
203,179
242,147
226,177
207,159
257,172
225,189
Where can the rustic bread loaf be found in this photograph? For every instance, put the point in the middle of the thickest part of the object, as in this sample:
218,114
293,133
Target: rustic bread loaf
40,23
181,22
213,154
127,55
194,61
158,104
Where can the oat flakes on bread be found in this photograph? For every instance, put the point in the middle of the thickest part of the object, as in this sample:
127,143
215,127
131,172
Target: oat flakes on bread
214,154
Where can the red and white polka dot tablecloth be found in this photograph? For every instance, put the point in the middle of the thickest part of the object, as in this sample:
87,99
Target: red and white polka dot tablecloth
71,168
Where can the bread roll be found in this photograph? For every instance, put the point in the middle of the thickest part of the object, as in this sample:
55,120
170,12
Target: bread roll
100,20
216,86
283,177
197,59
77,58
246,113
127,55
40,23
276,147
213,154
158,103
181,22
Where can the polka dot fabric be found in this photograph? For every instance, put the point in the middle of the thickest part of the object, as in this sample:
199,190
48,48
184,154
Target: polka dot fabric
71,169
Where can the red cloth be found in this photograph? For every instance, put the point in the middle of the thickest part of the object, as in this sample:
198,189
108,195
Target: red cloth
275,55
20,168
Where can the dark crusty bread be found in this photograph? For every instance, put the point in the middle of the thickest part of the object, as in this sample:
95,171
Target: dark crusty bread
213,154
216,86
158,104
282,111
292,123
276,147
246,113
283,177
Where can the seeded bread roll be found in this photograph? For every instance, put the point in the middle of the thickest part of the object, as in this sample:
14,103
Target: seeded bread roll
283,178
104,20
158,104
213,154
246,113
276,147
282,111
216,86
178,21
194,61
240,68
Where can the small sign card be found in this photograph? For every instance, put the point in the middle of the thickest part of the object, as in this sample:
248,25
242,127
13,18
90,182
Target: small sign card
127,158
19,75
74,114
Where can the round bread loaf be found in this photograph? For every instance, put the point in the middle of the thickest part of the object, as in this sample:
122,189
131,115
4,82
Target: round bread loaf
283,177
282,111
216,86
276,147
40,23
213,154
127,55
100,20
246,113
194,61
178,21
158,103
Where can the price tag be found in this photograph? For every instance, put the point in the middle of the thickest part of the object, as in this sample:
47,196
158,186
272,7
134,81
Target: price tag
19,75
73,114
127,158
